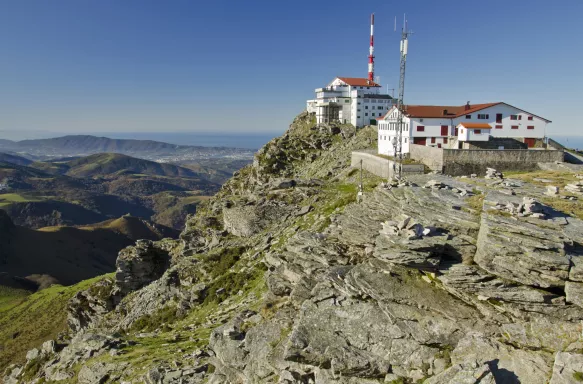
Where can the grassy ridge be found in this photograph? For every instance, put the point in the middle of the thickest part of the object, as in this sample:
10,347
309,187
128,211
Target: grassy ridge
27,322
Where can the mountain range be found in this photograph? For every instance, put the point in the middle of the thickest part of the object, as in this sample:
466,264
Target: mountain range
82,145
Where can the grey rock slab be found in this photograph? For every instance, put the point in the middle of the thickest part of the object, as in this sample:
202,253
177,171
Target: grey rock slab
507,364
466,373
568,368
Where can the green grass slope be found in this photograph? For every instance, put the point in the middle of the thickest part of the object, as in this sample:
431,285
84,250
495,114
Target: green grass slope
28,321
117,164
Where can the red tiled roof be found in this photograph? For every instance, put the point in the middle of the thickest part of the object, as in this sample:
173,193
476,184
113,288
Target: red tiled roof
429,111
437,111
358,82
475,125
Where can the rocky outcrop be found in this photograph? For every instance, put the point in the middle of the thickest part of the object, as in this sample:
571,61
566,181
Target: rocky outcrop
285,277
139,265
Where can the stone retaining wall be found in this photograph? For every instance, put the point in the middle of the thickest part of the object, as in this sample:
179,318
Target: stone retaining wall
465,162
381,167
457,162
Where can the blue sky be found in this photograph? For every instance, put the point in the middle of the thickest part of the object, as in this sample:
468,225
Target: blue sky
248,66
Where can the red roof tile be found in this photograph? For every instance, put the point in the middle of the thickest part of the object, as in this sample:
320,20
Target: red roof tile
358,82
429,111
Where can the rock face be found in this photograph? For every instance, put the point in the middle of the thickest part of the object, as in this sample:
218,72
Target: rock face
139,265
285,277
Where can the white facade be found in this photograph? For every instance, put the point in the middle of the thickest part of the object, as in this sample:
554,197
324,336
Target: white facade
350,100
426,128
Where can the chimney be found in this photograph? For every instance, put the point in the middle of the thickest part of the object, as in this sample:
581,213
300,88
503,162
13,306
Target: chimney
468,106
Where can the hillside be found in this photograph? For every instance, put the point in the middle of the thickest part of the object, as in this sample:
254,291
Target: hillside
284,277
69,254
97,188
14,159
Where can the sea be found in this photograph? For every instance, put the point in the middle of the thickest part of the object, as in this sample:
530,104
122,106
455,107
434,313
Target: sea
574,142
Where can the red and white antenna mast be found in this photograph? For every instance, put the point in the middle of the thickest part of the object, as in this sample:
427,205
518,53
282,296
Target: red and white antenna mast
371,51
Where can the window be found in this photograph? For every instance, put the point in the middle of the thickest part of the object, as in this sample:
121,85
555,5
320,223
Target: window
514,127
433,140
445,140
421,120
530,118
358,110
478,131
380,107
519,117
468,116
498,127
366,114
366,107
513,117
483,116
530,127
405,139
358,117
346,101
420,128
499,118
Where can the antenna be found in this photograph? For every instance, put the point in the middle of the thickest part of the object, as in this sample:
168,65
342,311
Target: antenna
400,106
395,23
371,51
391,89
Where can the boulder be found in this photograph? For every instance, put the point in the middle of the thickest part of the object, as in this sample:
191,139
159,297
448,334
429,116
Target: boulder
139,265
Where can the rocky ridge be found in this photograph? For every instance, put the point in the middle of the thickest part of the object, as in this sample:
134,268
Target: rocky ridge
283,277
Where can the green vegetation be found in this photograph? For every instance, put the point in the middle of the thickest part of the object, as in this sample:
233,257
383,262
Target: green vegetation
558,178
9,198
570,207
475,203
218,262
10,297
578,376
39,317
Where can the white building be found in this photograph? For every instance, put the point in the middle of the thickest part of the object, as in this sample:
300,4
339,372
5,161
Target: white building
357,101
458,127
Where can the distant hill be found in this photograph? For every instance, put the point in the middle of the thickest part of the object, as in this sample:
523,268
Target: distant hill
115,163
82,143
69,254
108,164
14,159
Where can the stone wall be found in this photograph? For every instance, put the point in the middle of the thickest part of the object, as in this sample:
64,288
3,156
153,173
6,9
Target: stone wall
430,156
381,167
496,143
465,162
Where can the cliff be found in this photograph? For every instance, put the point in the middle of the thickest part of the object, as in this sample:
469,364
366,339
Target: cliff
283,277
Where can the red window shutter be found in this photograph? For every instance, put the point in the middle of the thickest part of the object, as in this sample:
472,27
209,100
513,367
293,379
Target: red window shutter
519,117
530,118
445,140
498,127
457,131
433,140
438,145
420,128
515,127
498,117
444,130
478,131
530,127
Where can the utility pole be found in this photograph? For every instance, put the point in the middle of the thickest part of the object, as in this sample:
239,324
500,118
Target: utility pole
399,145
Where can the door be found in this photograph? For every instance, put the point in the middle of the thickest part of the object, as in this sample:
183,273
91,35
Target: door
420,140
444,130
529,141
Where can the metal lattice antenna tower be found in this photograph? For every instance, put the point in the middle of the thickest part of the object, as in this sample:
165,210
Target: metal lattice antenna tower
399,144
